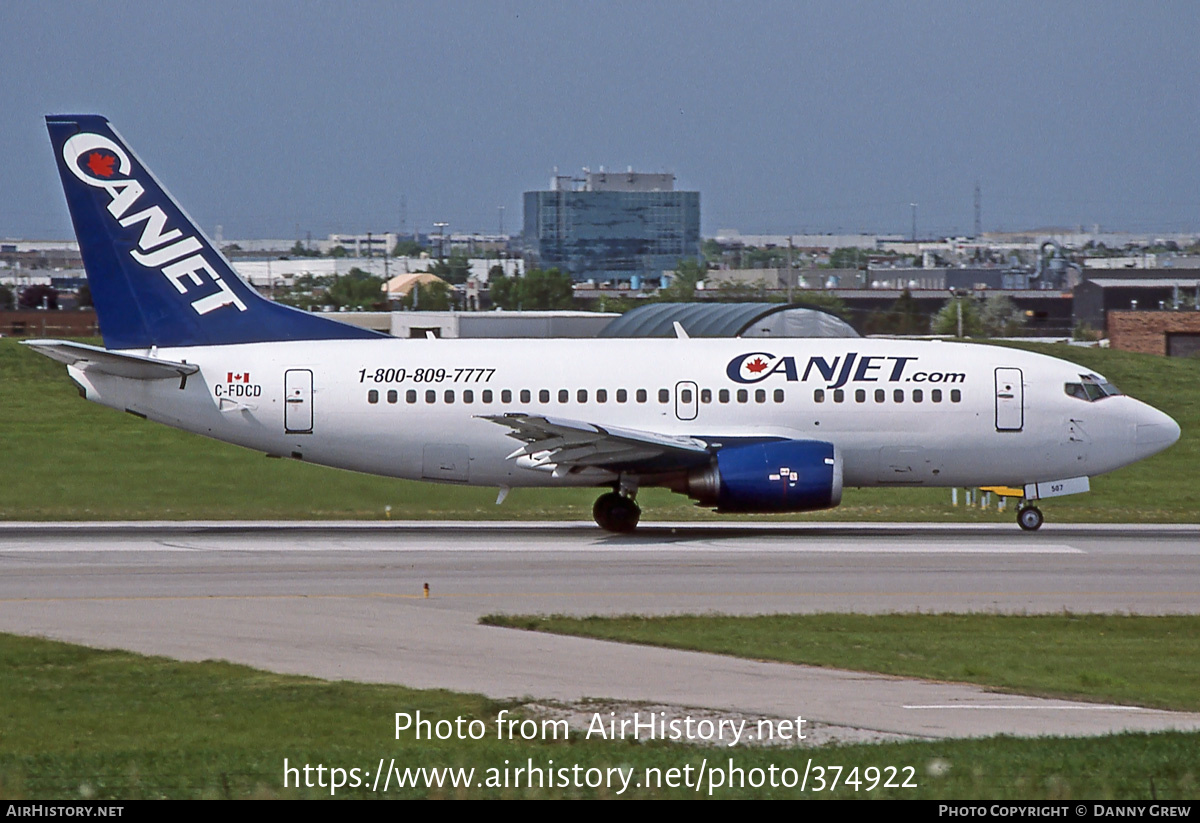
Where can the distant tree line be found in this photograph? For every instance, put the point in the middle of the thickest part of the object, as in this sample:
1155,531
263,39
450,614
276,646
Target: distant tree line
535,290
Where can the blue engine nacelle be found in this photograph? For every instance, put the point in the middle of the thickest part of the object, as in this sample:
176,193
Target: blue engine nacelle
779,476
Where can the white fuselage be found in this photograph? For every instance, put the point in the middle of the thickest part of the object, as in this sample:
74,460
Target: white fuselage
899,412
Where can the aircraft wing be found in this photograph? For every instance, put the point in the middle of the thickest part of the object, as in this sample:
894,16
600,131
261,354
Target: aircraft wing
559,444
120,364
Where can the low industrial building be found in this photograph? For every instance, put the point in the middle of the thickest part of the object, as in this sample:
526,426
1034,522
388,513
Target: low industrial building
1171,333
776,278
49,323
1097,298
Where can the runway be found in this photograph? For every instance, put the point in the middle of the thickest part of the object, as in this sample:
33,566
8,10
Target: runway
345,600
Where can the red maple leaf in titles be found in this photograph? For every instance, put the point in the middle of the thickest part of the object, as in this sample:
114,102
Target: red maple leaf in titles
756,365
100,164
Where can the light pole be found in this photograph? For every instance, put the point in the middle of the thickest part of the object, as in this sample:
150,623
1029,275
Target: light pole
958,295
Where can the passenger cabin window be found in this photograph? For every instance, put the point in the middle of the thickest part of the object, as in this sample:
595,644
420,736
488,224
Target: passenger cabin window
706,395
393,395
526,395
430,396
898,395
468,396
564,396
622,395
685,395
581,395
918,395
664,396
860,396
743,395
955,396
487,395
449,395
410,396
601,395
641,395
935,395
880,395
839,396
760,395
723,395
779,395
544,396
819,396
373,396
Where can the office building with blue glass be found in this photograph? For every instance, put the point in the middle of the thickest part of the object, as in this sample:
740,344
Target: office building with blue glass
607,227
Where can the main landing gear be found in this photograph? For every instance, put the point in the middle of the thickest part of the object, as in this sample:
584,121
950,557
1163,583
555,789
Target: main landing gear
616,512
1029,518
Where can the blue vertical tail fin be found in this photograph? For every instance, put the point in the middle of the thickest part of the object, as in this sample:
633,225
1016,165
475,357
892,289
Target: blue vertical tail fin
155,279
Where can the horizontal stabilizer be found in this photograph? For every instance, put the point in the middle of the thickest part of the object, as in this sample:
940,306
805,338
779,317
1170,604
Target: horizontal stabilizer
120,364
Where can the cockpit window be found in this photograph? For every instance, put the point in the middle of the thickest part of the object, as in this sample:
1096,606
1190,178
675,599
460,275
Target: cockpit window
1091,387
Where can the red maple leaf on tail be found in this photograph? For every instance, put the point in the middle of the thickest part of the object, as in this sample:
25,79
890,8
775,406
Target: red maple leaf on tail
101,165
756,365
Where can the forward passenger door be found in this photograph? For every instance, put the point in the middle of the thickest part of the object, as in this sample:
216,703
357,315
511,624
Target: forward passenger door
1010,400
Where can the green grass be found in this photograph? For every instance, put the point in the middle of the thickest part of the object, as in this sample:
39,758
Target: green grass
68,459
81,722
1132,660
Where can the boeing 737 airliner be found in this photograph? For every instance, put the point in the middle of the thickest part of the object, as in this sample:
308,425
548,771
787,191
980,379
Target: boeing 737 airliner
739,425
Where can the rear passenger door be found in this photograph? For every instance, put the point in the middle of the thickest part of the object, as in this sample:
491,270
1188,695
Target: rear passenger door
297,401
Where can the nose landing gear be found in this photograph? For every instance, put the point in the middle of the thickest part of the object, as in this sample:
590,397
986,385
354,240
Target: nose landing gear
1029,518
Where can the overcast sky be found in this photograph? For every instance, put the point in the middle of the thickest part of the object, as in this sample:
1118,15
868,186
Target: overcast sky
274,119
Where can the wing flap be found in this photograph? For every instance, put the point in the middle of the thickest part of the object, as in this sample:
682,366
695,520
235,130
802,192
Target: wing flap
119,364
568,444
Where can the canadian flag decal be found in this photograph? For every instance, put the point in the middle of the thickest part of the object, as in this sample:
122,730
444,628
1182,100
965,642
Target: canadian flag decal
238,378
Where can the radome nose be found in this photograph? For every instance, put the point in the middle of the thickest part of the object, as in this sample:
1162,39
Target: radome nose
1154,431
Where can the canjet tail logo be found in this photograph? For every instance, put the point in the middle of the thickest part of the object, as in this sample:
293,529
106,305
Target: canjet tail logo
101,163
